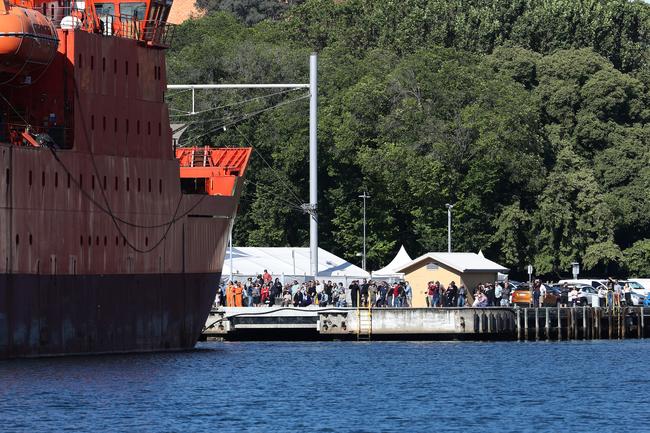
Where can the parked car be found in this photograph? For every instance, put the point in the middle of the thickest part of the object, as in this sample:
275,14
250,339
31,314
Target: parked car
522,296
638,292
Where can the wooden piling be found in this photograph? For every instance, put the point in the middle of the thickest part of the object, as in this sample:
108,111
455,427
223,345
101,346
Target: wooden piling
642,319
623,323
638,322
559,323
570,324
594,311
518,324
609,321
584,322
547,325
526,324
536,324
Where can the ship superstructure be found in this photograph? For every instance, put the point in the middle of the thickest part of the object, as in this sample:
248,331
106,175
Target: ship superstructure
108,241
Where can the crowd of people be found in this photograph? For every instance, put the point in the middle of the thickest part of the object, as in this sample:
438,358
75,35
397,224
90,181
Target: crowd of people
266,291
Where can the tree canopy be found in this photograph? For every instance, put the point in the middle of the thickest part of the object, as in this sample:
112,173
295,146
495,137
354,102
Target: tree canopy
530,116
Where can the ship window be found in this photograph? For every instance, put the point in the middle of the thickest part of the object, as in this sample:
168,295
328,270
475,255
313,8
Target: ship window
123,241
133,10
105,240
146,241
104,183
92,122
92,62
56,179
148,128
43,179
160,186
17,239
137,127
126,67
103,62
97,241
81,181
149,184
128,184
115,125
81,240
115,66
127,126
7,177
104,122
116,185
69,179
30,239
30,178
90,240
92,182
117,241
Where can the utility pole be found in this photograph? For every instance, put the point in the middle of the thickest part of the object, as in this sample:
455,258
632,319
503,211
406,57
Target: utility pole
313,164
364,196
311,207
449,208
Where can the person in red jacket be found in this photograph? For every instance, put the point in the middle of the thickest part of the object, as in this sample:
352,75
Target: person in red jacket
267,277
265,294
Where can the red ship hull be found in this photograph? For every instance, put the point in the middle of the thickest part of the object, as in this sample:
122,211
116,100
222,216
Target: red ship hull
95,314
108,242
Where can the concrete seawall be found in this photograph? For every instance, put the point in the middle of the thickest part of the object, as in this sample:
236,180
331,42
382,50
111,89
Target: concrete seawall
364,324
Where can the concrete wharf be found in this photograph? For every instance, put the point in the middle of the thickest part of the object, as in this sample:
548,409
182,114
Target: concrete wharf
490,323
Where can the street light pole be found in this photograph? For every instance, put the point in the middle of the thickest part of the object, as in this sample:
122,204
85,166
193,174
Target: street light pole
364,196
449,208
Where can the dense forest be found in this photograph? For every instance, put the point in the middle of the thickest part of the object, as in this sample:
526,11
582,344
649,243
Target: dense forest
531,116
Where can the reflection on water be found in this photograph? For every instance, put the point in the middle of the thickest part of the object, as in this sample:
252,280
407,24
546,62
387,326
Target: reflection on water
335,387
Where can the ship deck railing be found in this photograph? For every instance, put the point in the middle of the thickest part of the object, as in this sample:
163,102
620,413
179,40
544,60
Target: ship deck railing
156,33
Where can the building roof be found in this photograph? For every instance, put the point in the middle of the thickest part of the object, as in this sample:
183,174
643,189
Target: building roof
390,269
288,261
461,262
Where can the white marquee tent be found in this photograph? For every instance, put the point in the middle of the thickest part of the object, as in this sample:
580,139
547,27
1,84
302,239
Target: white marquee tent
288,264
389,272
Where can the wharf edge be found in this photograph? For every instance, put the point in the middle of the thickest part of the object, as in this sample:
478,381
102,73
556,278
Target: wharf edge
480,324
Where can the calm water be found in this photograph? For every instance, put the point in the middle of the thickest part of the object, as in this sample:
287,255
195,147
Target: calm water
337,387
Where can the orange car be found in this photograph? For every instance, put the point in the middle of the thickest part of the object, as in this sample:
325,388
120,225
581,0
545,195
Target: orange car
522,296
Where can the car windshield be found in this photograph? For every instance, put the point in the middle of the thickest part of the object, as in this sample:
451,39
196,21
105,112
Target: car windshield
635,285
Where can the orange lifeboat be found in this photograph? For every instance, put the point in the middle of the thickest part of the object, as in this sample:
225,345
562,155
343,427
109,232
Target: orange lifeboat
28,44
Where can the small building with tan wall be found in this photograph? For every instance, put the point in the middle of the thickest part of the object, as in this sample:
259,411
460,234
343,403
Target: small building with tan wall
468,269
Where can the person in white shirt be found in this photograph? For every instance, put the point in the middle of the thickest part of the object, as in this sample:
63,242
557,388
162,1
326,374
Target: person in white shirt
573,297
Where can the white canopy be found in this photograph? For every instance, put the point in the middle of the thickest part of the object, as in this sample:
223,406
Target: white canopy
290,263
391,269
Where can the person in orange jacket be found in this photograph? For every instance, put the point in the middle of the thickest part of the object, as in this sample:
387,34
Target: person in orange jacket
230,295
238,295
